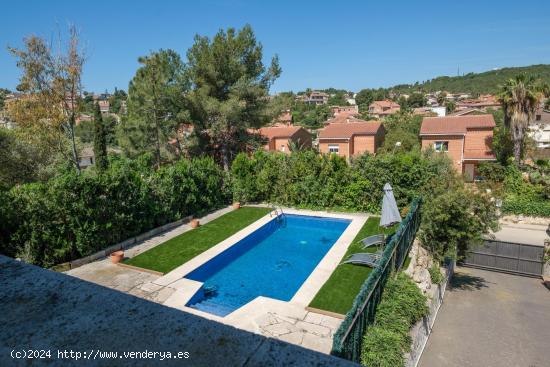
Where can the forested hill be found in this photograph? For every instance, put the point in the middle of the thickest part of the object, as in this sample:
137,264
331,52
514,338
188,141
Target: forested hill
477,83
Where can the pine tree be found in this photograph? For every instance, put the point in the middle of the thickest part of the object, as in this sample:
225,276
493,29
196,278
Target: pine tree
100,141
156,105
230,89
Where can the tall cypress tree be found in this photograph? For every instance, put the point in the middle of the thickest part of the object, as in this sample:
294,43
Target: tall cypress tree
100,141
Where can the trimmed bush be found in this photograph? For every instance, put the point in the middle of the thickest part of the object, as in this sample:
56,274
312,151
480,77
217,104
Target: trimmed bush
307,179
402,305
72,216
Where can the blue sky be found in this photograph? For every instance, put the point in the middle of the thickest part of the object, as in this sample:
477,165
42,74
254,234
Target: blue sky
349,45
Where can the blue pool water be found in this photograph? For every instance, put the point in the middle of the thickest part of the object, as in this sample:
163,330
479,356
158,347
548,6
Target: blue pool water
273,261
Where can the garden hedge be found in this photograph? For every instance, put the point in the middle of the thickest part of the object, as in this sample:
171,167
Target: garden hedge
72,216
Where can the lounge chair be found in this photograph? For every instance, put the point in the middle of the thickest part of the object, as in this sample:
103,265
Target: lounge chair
367,259
377,239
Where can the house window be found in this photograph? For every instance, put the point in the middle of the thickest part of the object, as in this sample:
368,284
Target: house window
282,148
333,148
441,146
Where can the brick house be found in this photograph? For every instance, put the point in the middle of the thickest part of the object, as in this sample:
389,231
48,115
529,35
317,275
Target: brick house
103,105
278,137
380,109
352,138
345,110
284,119
314,97
466,139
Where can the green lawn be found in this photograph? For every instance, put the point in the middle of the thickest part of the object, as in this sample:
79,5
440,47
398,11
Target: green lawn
338,293
180,249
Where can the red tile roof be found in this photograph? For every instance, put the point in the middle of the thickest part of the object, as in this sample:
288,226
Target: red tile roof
385,103
343,119
278,132
455,124
346,131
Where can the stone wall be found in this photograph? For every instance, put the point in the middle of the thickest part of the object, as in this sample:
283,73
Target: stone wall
418,270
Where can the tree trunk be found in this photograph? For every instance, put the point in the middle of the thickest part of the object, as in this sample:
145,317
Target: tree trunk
70,127
517,136
225,157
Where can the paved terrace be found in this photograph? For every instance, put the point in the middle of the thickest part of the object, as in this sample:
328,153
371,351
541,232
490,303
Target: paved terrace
42,309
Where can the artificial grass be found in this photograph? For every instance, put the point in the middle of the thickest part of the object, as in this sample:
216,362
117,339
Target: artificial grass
172,253
339,291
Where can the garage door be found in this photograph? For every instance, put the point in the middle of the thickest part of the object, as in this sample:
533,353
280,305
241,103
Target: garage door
511,257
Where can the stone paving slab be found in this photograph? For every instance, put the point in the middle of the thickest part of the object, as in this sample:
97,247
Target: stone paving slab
42,309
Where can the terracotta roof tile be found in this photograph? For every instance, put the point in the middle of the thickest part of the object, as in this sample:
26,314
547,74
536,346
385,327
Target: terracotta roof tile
278,132
455,124
346,131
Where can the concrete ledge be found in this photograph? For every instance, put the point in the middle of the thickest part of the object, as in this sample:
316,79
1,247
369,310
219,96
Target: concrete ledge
43,309
140,269
327,313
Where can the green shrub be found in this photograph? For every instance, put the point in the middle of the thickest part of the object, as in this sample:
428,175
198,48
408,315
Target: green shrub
526,198
402,305
435,273
307,179
492,171
454,221
72,216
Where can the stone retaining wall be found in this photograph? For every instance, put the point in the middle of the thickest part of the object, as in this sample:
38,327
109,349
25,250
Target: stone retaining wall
421,331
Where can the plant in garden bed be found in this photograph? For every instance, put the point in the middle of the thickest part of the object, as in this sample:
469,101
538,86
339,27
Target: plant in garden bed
435,273
386,341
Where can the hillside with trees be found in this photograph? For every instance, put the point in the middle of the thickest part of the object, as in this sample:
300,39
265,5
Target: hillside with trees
475,83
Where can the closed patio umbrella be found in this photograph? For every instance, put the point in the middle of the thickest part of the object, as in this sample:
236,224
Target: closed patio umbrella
390,212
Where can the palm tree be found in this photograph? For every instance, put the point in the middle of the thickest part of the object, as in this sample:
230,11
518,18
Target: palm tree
520,97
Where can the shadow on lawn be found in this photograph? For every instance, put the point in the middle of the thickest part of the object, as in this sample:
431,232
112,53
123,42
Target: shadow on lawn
466,282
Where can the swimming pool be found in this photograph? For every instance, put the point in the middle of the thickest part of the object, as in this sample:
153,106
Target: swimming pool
273,261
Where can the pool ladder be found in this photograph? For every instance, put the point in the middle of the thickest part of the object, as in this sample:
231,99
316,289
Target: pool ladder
278,213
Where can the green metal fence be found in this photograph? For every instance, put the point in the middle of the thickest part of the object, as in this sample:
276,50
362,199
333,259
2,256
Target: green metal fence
349,336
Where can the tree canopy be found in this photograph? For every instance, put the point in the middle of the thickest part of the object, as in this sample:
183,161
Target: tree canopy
230,88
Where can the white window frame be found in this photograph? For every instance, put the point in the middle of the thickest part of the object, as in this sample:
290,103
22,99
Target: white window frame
334,148
441,146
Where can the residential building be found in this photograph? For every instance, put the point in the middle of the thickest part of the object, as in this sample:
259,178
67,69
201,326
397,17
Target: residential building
284,119
466,139
86,157
103,105
5,121
539,130
468,111
343,119
315,97
540,133
483,102
83,117
345,110
430,111
279,138
381,109
350,139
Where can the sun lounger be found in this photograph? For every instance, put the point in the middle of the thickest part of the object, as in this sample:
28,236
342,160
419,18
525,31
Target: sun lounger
367,259
377,239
